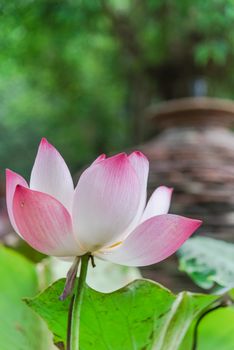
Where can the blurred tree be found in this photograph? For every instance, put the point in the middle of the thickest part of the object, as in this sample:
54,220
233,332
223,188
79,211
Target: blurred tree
82,72
57,80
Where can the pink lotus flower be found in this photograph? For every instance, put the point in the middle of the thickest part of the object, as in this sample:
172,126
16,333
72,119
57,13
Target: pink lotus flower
104,215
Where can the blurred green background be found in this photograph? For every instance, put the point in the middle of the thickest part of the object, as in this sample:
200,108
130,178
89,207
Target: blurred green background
81,73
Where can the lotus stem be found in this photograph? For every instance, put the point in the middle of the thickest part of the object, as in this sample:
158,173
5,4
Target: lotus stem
73,343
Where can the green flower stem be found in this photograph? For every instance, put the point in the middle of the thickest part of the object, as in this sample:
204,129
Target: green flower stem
78,299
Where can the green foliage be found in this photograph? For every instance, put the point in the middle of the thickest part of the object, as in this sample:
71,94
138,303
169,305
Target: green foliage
142,315
20,329
82,72
208,262
216,330
57,80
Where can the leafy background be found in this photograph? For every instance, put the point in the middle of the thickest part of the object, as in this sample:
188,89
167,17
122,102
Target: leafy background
82,72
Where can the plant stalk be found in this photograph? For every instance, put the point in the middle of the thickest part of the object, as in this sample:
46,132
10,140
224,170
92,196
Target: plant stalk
73,343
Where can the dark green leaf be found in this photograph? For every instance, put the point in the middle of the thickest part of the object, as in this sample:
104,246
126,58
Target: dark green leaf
142,315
